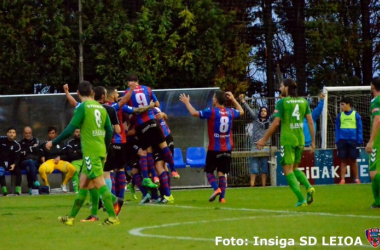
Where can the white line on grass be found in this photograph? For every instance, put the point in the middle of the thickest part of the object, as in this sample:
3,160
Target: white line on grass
138,231
271,211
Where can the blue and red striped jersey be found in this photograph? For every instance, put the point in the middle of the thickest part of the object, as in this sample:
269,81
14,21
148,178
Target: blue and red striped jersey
219,126
118,138
164,126
141,96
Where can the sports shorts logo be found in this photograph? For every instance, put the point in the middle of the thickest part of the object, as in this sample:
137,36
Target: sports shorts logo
373,236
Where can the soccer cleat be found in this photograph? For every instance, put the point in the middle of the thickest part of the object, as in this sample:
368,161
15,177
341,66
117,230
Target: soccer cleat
64,188
374,206
17,194
214,195
30,191
342,182
357,181
175,175
36,183
155,201
222,200
110,222
90,218
147,182
117,205
145,199
310,195
301,204
168,199
66,220
5,194
132,189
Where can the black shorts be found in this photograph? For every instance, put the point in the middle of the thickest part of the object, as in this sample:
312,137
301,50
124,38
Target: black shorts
131,150
157,151
115,157
149,134
219,160
348,149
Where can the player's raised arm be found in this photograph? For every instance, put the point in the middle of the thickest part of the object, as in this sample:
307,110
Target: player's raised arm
69,97
273,127
127,96
231,97
186,100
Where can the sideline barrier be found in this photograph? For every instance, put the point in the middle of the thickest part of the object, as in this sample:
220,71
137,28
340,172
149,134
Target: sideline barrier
323,167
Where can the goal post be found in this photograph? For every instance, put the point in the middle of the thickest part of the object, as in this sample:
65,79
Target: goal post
361,96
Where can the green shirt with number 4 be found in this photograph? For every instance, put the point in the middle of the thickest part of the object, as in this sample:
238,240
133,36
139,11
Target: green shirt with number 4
291,111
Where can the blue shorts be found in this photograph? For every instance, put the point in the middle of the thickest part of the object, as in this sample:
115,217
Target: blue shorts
348,149
257,162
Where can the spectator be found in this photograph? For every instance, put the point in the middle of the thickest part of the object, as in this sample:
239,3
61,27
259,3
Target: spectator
53,159
315,115
30,155
348,137
9,159
256,131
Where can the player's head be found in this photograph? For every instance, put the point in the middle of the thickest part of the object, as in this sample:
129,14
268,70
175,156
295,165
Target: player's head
132,79
263,113
76,134
289,88
27,133
375,85
85,89
11,133
346,104
112,94
219,98
52,132
100,94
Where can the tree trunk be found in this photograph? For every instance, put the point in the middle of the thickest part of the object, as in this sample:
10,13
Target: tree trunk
300,45
367,43
268,26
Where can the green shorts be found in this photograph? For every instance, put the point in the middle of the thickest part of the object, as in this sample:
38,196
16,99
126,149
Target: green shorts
290,154
374,159
77,164
93,166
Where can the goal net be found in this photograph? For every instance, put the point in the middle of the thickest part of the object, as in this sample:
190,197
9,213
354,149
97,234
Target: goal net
361,97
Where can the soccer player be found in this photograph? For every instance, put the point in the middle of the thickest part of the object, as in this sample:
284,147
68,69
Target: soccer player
9,159
55,159
374,143
290,112
219,122
148,130
348,137
30,156
74,155
96,133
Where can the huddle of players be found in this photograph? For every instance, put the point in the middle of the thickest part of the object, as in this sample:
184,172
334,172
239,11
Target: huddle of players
142,142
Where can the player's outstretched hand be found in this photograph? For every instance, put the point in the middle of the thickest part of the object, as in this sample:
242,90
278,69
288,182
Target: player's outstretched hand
48,145
66,88
368,148
185,99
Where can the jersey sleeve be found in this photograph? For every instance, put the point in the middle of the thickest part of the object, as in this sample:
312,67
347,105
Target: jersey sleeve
205,114
308,111
115,105
236,113
127,109
154,98
113,118
78,117
375,107
279,109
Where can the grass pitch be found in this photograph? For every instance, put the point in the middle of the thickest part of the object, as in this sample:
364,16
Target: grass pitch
269,214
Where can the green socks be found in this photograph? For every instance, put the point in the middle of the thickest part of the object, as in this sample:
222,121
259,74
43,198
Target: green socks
75,180
294,186
376,189
4,190
301,177
18,190
79,200
94,197
108,200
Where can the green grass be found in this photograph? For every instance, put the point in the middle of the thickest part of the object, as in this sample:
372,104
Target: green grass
30,222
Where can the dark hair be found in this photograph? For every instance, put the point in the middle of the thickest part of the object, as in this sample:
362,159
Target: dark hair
11,128
261,109
111,90
220,97
292,87
376,83
132,78
99,91
85,88
51,128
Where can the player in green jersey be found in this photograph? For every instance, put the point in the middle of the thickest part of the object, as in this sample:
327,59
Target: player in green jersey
96,132
290,112
374,142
